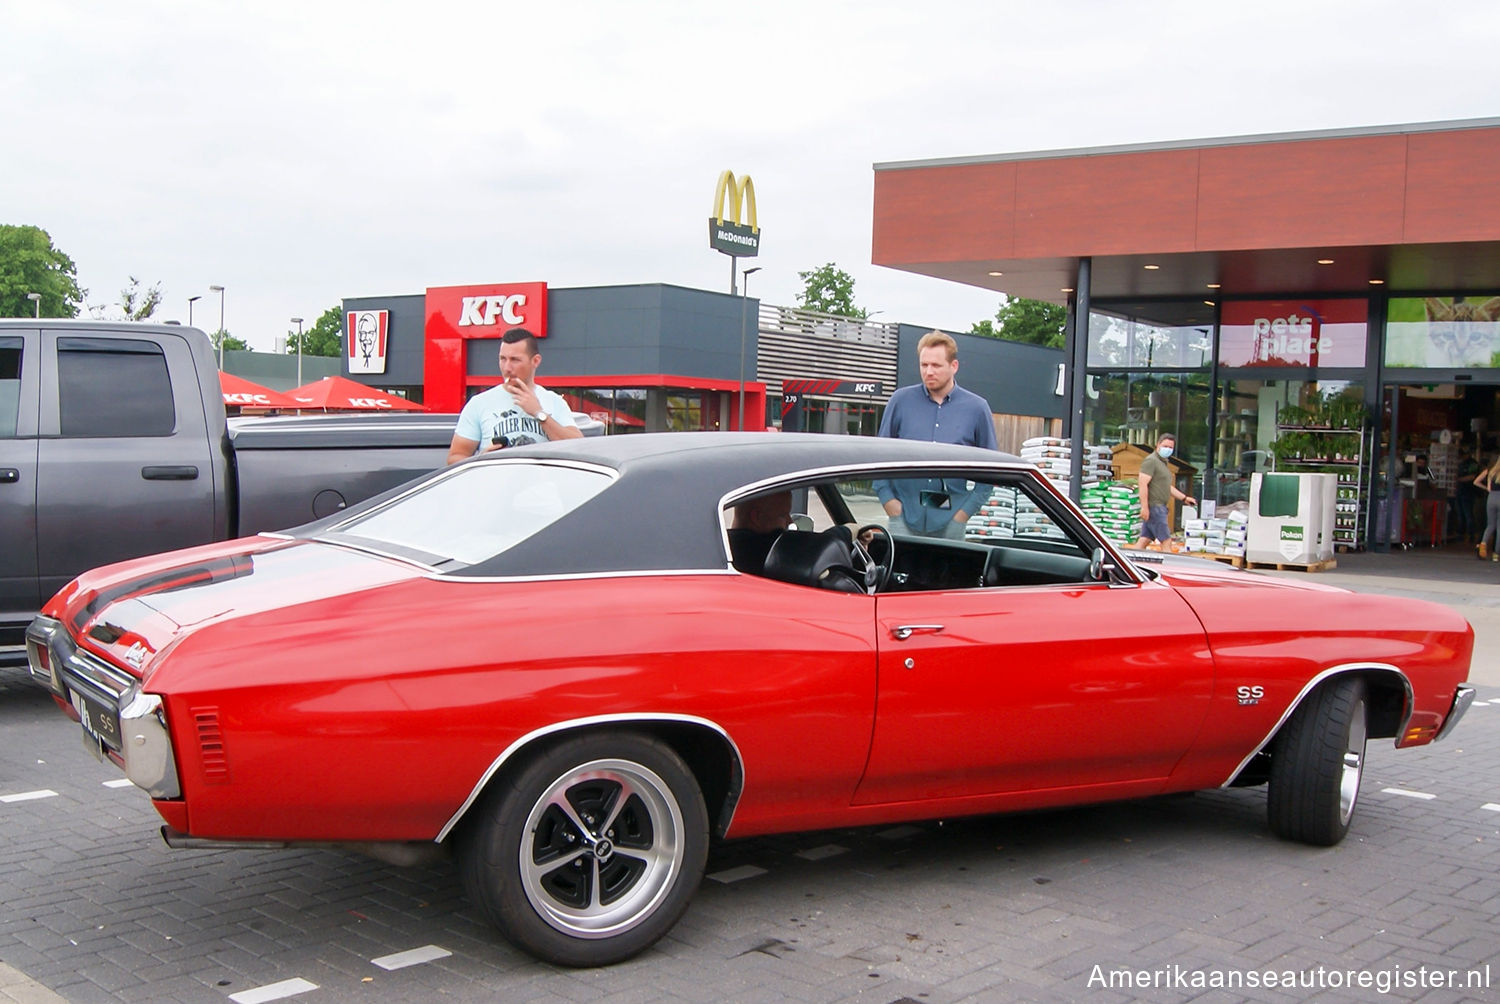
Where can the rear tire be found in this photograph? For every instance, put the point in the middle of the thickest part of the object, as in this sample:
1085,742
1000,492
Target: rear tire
1317,763
591,852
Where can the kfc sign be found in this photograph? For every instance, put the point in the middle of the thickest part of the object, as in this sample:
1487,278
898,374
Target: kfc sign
493,310
366,337
486,311
1292,333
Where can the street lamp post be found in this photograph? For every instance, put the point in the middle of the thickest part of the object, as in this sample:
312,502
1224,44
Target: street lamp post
220,291
744,300
36,303
298,322
191,301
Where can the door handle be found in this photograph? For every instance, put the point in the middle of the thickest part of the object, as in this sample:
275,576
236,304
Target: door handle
905,631
9,475
180,472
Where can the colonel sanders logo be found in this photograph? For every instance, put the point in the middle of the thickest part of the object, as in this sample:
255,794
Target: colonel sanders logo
366,338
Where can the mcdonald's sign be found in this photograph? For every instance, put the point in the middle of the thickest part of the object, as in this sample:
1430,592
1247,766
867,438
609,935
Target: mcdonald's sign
731,234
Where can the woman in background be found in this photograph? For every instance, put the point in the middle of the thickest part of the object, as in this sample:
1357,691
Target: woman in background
1489,480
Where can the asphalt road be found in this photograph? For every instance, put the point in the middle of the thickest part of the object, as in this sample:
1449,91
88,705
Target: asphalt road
1042,906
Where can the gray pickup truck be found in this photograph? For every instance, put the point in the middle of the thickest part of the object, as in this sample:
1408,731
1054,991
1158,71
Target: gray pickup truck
114,444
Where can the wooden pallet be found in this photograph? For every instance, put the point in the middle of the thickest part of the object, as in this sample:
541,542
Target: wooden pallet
1236,560
1294,566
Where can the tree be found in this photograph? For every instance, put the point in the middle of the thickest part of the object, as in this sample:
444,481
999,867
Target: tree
1035,322
830,290
30,264
138,307
323,338
231,343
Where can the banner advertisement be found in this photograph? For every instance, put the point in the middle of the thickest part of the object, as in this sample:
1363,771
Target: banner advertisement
1443,332
1306,333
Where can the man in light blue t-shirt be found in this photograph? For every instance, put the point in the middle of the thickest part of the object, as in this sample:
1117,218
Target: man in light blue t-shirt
516,411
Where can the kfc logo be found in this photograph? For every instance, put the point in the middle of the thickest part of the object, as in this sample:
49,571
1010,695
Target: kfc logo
492,310
366,338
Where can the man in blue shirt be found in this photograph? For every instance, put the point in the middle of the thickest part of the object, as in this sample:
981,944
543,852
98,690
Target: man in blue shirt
937,410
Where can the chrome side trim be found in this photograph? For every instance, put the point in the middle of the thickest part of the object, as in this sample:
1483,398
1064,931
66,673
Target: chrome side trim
1462,698
579,723
1347,667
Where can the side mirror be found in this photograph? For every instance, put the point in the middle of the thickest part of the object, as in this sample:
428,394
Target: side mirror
803,522
1096,565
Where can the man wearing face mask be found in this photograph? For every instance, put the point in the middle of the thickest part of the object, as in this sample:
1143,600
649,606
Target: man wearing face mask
1156,491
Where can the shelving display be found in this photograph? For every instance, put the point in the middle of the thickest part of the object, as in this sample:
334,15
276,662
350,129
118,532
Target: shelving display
1342,451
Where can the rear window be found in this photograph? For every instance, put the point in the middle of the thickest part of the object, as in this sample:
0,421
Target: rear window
10,385
477,511
113,387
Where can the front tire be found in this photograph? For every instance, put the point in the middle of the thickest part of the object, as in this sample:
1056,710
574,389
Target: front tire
1317,764
591,852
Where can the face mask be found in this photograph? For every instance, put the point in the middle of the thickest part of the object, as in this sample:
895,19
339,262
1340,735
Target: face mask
1165,451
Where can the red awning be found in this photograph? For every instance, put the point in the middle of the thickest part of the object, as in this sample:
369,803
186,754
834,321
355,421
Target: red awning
334,393
241,393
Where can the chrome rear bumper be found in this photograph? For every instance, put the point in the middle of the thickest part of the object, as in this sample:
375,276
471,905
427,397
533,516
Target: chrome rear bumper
120,721
1462,698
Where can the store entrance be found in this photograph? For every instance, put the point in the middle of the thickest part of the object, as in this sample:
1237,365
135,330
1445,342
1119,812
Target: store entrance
1433,439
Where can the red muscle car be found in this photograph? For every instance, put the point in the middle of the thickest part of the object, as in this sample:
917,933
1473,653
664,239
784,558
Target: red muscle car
574,664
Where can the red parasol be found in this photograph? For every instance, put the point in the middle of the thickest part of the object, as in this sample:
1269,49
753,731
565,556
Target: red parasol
241,393
335,393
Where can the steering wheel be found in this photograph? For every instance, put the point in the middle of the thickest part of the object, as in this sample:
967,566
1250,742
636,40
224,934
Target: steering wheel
876,574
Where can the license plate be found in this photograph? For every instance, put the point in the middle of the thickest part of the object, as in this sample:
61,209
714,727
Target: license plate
99,720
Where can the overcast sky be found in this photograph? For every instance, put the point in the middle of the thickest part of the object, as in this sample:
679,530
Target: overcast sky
301,152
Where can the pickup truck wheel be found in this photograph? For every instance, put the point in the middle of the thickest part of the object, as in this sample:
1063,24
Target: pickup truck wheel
591,853
1317,763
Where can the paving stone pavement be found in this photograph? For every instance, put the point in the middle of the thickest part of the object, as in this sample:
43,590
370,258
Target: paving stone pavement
1038,906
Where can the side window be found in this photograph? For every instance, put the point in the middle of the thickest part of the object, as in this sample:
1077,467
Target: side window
1008,513
113,387
10,386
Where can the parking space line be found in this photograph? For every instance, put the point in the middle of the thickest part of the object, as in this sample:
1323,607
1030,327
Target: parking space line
1492,806
819,853
412,957
273,991
28,796
119,782
1407,793
737,874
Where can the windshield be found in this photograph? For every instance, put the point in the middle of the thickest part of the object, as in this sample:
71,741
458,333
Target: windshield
478,511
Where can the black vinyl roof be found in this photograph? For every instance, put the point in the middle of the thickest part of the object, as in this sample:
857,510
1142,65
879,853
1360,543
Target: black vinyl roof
662,512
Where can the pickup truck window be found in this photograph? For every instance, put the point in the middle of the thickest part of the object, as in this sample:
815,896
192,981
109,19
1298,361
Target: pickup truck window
113,387
10,386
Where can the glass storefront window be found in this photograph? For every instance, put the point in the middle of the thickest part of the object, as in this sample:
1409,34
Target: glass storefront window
684,411
620,410
1284,333
840,417
1263,423
1140,407
1448,332
1176,335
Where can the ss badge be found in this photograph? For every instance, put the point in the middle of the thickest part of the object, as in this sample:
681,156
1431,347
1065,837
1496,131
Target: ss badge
1250,695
